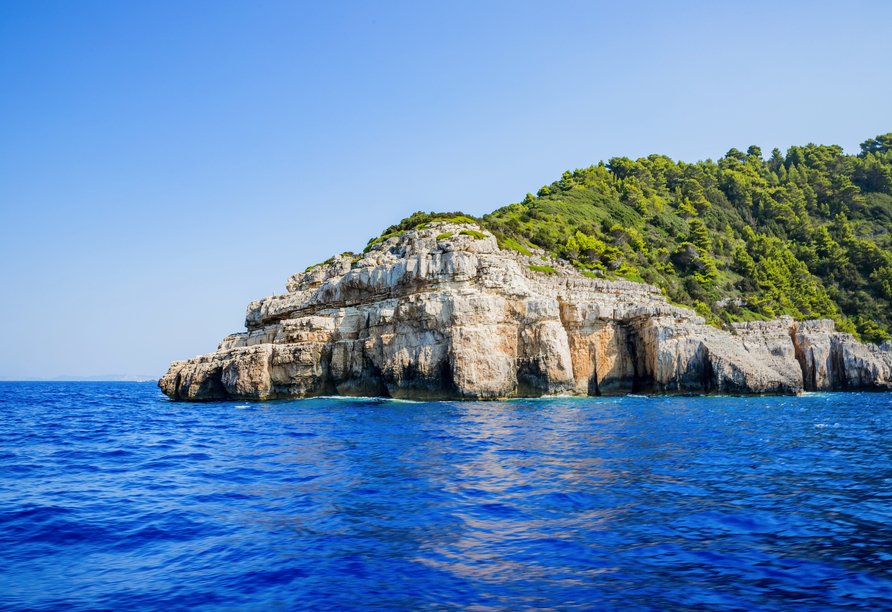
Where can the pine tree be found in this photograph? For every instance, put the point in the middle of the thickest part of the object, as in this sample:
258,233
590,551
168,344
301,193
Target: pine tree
843,230
700,235
777,161
693,191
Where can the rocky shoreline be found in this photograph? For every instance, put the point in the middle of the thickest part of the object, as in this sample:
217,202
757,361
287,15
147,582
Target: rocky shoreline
440,314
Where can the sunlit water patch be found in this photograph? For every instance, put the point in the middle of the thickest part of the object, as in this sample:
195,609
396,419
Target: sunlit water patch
113,498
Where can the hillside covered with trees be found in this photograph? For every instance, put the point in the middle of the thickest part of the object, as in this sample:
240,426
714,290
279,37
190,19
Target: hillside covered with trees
746,237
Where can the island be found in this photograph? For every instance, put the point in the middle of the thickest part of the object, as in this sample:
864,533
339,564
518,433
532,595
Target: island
742,276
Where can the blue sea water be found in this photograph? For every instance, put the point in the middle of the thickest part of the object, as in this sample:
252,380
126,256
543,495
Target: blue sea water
114,498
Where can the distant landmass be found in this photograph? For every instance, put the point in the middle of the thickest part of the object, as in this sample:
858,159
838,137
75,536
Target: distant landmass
102,378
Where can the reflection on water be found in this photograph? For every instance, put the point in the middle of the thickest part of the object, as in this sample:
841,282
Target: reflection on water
113,497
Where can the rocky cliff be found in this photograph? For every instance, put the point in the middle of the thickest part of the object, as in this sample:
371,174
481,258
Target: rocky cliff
442,312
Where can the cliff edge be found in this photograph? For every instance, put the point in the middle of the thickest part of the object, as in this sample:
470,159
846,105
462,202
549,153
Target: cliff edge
443,313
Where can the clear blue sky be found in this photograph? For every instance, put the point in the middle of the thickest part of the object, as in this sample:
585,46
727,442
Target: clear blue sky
164,163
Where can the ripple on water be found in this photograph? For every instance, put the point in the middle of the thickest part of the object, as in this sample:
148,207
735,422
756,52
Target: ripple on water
112,497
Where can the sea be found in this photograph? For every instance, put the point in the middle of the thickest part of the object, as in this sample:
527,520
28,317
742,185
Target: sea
112,497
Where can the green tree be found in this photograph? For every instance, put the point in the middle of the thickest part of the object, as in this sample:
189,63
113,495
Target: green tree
843,231
735,155
845,195
880,144
833,256
700,235
777,161
882,278
622,167
693,191
587,247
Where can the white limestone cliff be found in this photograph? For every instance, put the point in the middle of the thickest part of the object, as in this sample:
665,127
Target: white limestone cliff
422,318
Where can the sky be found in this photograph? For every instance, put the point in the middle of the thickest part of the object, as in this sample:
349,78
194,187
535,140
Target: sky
162,164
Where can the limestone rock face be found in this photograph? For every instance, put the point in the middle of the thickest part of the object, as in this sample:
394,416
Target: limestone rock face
833,361
456,317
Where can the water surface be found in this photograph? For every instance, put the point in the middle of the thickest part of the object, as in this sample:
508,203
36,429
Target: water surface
113,497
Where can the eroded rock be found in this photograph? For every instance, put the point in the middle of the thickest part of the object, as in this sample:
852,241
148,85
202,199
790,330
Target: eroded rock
427,318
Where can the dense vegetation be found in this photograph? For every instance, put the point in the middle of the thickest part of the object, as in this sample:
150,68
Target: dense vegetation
805,234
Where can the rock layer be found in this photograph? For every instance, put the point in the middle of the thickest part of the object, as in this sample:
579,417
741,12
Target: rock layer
456,317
